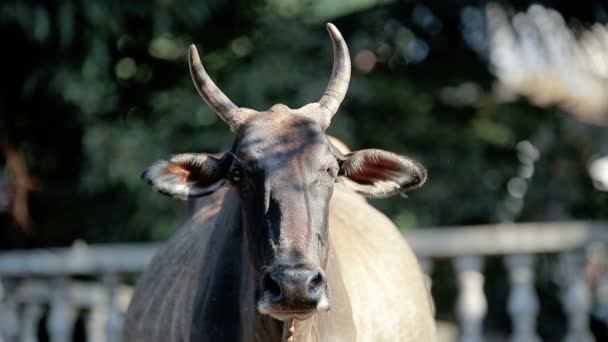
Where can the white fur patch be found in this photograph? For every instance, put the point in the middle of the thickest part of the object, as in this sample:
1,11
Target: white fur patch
377,173
172,177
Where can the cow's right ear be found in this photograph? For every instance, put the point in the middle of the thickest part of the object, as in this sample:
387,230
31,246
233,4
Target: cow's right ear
187,175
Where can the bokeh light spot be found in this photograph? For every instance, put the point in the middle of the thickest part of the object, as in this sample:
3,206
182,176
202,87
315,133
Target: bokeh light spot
165,47
241,46
125,68
365,60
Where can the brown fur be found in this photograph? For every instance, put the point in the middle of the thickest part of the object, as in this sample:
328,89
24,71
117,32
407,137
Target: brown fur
276,246
378,292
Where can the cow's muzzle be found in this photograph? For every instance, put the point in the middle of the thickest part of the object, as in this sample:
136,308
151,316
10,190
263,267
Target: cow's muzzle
293,292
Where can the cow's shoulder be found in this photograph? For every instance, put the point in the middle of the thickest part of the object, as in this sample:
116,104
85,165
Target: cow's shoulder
163,305
382,276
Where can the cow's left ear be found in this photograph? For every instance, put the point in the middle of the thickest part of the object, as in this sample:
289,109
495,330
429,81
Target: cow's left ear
378,173
188,175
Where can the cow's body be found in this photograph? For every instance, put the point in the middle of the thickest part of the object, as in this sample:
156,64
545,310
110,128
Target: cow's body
198,287
284,247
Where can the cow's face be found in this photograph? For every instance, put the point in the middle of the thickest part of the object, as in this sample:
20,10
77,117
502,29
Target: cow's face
284,169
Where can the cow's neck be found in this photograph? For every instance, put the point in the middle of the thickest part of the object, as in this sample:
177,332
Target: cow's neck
266,328
297,331
289,331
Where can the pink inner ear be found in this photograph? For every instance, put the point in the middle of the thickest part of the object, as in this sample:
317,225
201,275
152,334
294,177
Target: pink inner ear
374,169
178,171
185,173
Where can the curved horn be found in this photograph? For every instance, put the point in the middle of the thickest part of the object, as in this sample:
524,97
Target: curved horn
340,77
213,96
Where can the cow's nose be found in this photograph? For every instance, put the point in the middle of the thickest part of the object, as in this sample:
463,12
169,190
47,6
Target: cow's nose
295,288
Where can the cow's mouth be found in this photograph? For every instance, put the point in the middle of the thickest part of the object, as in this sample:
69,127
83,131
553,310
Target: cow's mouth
288,315
281,313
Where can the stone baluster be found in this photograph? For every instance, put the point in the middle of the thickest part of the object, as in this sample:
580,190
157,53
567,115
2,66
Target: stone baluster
576,297
105,320
597,273
96,319
115,318
426,264
1,310
523,303
471,306
61,317
9,319
29,323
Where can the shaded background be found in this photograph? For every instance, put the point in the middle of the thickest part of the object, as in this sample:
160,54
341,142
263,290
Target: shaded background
92,92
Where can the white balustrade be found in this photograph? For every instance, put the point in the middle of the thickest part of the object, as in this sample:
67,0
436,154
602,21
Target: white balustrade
96,321
598,256
38,284
101,321
576,297
471,306
1,310
29,324
9,319
523,302
113,324
61,316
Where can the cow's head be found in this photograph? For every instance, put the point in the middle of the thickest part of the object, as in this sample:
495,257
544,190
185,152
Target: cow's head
284,168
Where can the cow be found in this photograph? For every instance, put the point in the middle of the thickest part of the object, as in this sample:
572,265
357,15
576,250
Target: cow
283,245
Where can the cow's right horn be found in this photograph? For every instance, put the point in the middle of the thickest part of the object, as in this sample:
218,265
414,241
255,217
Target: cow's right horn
340,77
323,110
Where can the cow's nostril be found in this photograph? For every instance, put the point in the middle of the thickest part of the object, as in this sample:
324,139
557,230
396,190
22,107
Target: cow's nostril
271,286
315,283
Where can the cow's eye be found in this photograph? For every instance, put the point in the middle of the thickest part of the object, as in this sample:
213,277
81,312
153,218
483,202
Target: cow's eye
236,176
332,171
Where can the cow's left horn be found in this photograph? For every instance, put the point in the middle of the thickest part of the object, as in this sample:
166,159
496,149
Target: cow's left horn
340,78
213,96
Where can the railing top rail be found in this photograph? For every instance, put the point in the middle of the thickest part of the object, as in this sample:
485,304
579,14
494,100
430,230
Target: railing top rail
440,242
79,259
507,238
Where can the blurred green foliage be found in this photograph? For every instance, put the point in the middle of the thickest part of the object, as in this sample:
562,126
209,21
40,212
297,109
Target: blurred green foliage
93,92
